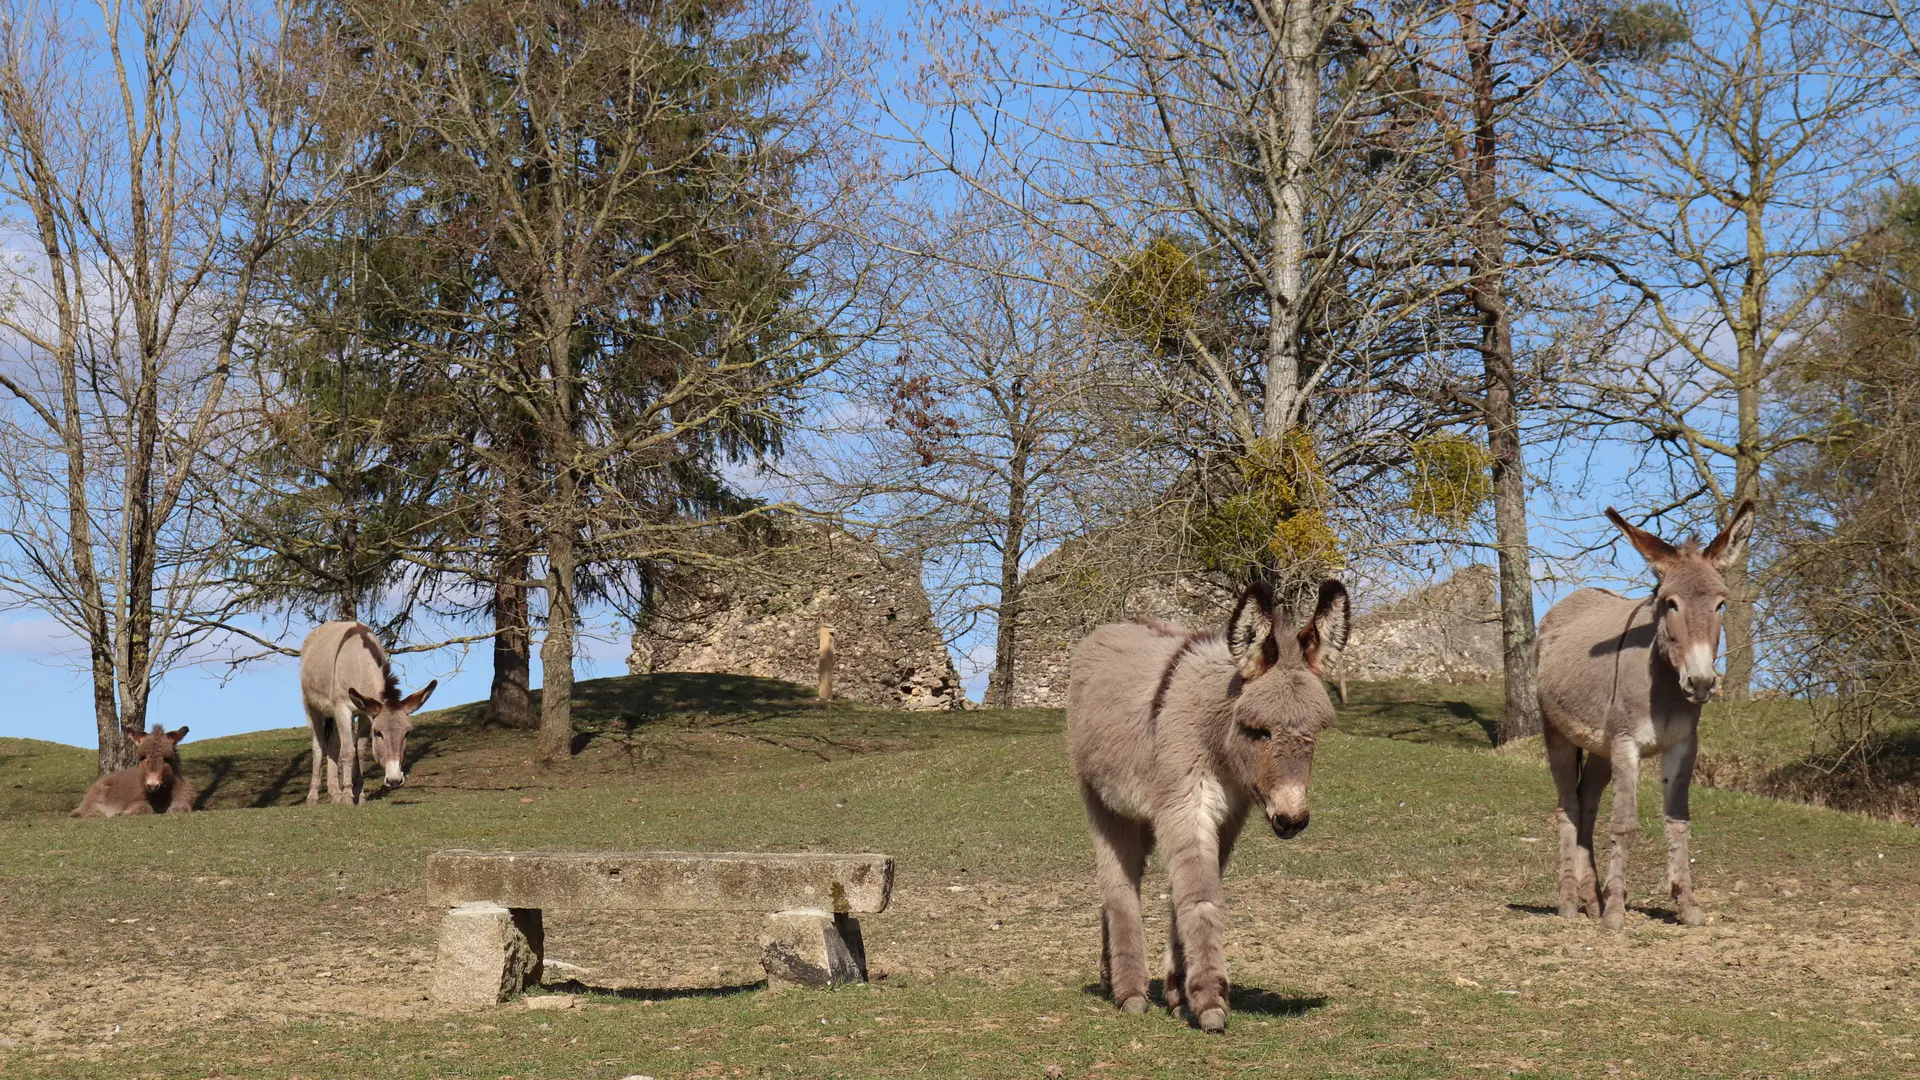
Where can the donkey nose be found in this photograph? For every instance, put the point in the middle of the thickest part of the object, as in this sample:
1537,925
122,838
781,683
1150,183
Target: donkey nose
1700,689
1286,827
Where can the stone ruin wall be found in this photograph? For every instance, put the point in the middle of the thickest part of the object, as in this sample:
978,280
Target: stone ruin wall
767,623
1446,633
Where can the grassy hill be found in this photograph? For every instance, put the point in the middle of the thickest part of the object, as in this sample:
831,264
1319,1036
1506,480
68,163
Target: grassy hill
1404,935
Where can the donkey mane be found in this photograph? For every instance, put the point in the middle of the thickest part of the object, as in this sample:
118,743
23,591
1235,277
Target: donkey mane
1167,629
1187,644
391,692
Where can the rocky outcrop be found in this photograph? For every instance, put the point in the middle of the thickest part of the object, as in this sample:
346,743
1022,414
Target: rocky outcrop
766,621
1061,608
1449,632
1446,633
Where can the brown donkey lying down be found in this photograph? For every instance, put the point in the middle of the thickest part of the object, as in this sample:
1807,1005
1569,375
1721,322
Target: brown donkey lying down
154,786
1173,736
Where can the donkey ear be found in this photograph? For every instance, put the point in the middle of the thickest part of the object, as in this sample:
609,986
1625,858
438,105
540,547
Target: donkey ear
1326,633
133,732
359,702
176,736
1250,630
418,697
1656,551
1731,544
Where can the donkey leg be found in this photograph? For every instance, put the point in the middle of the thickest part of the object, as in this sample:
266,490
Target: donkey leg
1176,950
1563,758
1120,858
1676,776
1193,862
319,762
1626,826
1175,983
1595,772
349,790
330,758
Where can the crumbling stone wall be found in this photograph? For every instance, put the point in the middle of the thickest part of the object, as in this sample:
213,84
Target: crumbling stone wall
1449,632
1445,633
766,622
1063,601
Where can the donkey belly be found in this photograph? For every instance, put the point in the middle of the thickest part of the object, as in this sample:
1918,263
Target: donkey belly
1126,796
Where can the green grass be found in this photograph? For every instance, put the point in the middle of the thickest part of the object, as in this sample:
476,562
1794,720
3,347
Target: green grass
1401,936
1463,716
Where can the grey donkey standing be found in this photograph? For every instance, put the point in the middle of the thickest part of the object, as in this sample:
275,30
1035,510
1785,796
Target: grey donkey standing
1173,736
1621,679
344,673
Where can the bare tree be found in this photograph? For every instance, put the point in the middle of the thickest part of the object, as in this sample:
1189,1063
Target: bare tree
1240,190
972,447
1484,72
143,151
1723,169
1847,573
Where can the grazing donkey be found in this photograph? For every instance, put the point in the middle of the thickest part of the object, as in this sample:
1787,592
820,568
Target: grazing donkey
343,674
154,786
1621,679
1173,735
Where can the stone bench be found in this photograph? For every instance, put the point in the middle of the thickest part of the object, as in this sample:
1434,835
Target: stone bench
492,938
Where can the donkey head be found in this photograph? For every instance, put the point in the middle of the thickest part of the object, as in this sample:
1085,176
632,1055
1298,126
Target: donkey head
158,763
1690,597
391,721
1283,703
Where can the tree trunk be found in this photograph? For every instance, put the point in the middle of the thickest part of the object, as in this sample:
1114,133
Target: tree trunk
1488,293
1301,33
1007,632
555,741
1747,457
1740,586
510,703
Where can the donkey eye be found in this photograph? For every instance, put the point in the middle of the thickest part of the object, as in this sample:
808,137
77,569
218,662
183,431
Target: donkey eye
1257,734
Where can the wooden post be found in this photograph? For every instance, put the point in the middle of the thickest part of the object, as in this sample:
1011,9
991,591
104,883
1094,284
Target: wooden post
826,663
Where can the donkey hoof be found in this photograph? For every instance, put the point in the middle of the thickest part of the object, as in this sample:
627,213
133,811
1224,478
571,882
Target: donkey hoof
1693,916
1569,909
1134,1006
1214,1019
1614,919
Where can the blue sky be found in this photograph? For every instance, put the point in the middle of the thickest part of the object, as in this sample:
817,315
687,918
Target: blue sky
51,696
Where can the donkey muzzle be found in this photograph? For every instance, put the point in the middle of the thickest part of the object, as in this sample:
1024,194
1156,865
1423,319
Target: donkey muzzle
1286,826
1699,689
395,778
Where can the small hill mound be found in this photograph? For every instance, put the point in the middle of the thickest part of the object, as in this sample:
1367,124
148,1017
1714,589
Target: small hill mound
624,726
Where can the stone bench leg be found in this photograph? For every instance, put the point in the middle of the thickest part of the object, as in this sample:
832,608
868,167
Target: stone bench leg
488,953
812,948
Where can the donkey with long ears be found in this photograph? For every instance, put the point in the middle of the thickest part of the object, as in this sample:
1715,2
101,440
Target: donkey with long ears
344,673
1621,679
154,785
1173,736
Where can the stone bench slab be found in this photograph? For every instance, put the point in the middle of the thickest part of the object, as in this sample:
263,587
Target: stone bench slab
661,881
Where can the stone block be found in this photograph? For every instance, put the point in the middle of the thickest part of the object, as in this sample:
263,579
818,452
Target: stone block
662,881
812,948
487,954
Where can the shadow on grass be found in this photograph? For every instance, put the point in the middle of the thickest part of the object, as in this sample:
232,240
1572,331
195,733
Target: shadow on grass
1245,1000
1658,914
1466,710
1535,909
577,988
